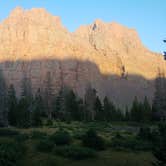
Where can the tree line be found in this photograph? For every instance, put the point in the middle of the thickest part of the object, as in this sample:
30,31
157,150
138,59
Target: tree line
28,110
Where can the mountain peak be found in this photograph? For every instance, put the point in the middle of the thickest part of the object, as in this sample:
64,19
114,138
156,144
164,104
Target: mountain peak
17,11
35,42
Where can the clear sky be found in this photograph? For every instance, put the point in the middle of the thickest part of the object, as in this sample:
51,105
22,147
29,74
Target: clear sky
148,17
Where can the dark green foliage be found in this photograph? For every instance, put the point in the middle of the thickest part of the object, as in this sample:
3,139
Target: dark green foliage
37,110
48,94
92,140
12,106
49,122
110,112
38,135
21,137
127,114
23,113
140,111
3,101
61,138
8,132
44,145
74,152
131,143
106,109
145,133
10,153
25,104
147,111
159,100
160,150
89,100
67,106
71,106
135,110
99,110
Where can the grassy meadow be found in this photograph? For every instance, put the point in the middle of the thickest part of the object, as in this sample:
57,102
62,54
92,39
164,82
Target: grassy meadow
38,147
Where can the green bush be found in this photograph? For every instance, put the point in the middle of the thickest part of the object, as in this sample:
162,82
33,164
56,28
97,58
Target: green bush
21,137
8,132
38,135
92,140
78,134
74,152
44,145
61,138
130,143
10,153
144,133
49,122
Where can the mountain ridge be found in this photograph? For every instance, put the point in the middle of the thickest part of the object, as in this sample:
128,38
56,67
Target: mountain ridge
34,35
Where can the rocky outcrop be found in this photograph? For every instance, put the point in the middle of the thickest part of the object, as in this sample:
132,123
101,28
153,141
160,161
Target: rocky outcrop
108,55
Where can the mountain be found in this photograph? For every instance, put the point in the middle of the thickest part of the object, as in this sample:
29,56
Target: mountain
108,56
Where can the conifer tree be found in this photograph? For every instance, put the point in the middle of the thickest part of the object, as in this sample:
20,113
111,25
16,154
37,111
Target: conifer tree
99,110
25,105
159,101
106,108
3,97
147,111
127,114
135,110
48,94
90,99
12,106
71,105
38,109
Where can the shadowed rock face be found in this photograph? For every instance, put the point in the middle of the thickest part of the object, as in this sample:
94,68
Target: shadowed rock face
108,55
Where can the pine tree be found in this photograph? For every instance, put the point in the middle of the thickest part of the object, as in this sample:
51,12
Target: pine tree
23,113
12,106
48,94
38,110
106,108
25,105
159,101
110,111
71,105
59,105
89,99
135,110
159,151
147,111
119,115
81,109
3,97
99,110
127,114
113,113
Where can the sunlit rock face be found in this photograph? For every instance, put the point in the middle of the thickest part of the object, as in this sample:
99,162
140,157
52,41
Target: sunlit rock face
108,55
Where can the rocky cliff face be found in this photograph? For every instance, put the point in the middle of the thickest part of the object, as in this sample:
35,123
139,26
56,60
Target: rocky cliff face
108,55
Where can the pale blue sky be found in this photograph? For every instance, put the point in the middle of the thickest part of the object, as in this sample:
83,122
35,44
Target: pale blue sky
148,17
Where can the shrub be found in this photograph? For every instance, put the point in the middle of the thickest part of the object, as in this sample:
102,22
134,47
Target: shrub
78,134
92,140
10,153
38,135
74,152
61,138
145,133
8,132
130,143
49,122
21,137
44,145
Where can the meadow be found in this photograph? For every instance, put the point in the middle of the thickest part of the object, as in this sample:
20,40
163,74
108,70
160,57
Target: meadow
76,144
